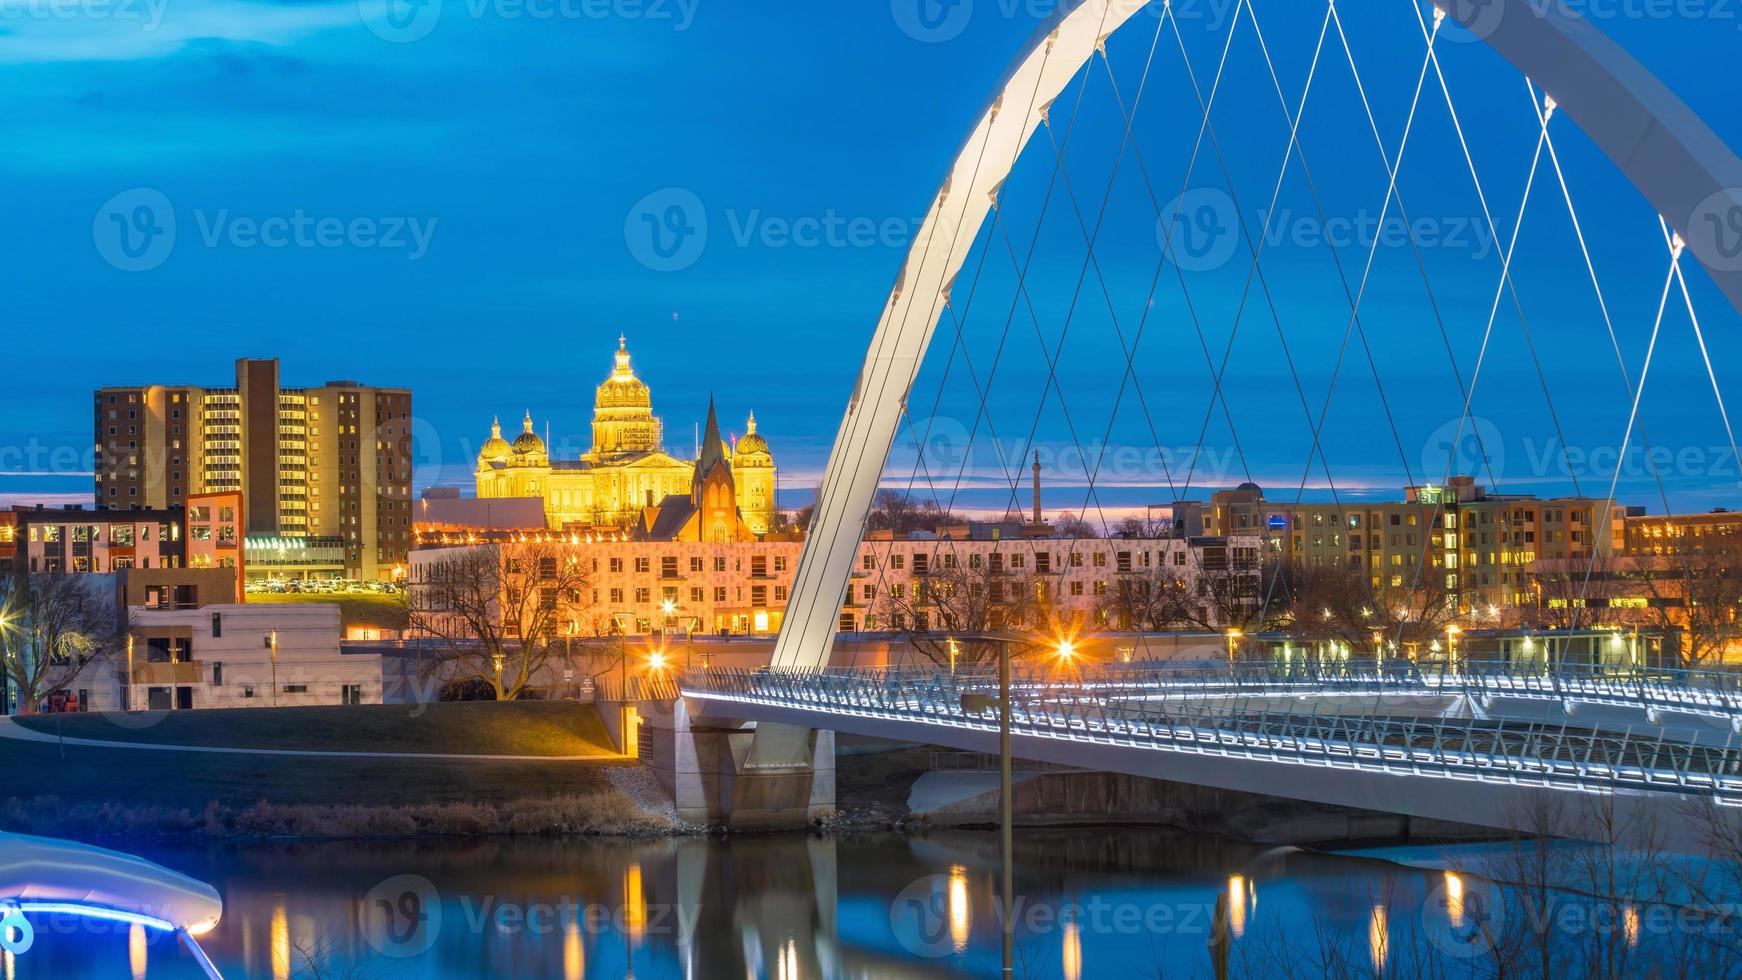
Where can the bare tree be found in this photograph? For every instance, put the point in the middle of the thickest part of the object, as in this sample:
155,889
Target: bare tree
51,626
1217,591
1576,593
496,609
897,512
1333,602
963,595
1071,525
1695,591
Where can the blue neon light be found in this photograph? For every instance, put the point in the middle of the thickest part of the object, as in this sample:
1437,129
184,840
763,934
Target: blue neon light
96,912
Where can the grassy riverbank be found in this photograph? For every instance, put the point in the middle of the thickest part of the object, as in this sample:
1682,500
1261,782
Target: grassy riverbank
455,728
62,789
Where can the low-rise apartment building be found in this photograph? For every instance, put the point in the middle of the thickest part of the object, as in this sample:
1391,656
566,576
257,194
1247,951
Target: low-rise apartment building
188,645
737,588
1478,546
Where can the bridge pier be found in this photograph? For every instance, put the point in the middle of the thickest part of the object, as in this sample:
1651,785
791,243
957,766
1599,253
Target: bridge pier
739,775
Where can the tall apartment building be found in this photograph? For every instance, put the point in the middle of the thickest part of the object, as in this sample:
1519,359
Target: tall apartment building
330,465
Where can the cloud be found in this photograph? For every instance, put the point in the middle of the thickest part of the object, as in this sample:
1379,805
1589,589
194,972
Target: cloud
49,31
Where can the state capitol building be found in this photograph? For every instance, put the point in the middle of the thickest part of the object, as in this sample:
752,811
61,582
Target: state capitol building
627,480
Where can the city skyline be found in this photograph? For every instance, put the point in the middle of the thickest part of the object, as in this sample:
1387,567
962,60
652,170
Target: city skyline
515,288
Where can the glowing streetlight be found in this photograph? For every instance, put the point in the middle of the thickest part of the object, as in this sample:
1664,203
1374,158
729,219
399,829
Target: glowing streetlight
668,607
1452,632
656,661
1065,650
1233,636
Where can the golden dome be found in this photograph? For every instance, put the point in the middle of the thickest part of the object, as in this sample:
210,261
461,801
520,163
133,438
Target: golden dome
528,443
623,389
496,448
752,443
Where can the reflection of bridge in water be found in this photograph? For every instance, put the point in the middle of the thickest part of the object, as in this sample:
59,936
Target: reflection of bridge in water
1532,749
782,907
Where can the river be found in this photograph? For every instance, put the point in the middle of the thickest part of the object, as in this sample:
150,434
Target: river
1091,903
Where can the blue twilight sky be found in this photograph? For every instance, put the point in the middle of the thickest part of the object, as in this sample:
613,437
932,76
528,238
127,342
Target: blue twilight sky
468,193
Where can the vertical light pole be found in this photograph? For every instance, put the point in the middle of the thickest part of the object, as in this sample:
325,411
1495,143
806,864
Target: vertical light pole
976,703
128,705
1005,808
1233,642
272,644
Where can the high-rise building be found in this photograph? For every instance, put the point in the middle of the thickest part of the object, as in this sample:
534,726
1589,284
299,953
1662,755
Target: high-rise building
330,464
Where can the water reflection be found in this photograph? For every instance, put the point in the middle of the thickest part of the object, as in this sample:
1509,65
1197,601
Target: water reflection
961,911
136,951
1090,904
1237,904
1073,951
1377,938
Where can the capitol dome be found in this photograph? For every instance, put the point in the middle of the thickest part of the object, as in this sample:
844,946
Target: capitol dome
496,448
528,445
623,390
752,444
623,419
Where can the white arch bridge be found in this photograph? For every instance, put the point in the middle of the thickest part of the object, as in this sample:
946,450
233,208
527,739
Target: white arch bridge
1485,746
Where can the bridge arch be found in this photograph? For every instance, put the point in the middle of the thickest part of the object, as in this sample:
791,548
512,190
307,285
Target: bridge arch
1669,155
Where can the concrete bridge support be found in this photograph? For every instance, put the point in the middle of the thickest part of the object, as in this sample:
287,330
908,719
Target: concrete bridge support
739,775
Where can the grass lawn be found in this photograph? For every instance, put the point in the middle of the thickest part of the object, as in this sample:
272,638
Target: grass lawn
374,609
461,727
143,779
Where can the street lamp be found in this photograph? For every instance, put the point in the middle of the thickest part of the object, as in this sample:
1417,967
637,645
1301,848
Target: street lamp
272,645
1233,636
976,703
1452,632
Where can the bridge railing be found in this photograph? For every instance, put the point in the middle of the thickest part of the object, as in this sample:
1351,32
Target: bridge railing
1251,725
1708,691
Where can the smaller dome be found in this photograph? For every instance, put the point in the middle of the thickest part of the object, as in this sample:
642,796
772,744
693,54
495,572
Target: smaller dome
496,448
752,444
528,443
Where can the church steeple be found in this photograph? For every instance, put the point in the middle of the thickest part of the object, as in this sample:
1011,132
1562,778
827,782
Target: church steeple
713,451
